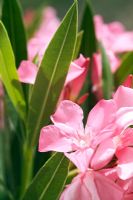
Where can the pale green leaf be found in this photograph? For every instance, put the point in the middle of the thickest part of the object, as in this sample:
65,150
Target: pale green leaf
9,74
50,179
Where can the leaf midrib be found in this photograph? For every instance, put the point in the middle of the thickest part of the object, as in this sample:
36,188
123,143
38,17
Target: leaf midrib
50,84
53,176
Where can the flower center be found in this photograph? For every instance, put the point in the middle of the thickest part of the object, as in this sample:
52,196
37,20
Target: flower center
82,143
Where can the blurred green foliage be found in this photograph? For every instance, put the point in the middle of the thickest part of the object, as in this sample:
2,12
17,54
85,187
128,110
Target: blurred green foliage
119,10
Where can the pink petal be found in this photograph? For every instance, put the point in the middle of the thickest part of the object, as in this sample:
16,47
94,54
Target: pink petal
126,138
107,189
110,173
123,97
129,81
81,158
124,118
103,154
125,38
128,197
76,190
70,114
53,139
114,60
38,44
101,120
76,76
77,68
27,72
125,166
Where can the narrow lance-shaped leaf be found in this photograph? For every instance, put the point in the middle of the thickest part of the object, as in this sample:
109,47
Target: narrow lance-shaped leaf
51,76
9,74
88,47
12,19
89,42
125,68
78,44
50,179
107,77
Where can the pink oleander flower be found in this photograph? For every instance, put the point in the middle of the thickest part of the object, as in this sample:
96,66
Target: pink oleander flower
113,36
75,79
38,44
126,185
93,146
92,185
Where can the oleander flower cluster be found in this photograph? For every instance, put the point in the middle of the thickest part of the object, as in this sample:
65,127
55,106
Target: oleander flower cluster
102,150
66,110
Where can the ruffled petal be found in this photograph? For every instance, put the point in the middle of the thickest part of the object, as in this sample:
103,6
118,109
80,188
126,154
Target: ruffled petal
53,139
107,189
123,97
70,114
76,190
125,163
81,158
102,121
103,154
124,118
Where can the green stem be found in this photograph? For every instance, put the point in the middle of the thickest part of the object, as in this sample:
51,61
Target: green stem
27,168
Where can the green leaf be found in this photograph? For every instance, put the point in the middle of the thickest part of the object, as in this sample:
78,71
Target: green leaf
50,179
51,76
88,47
78,44
12,19
107,77
9,74
125,68
89,42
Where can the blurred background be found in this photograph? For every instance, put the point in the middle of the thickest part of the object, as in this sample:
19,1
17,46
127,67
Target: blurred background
111,10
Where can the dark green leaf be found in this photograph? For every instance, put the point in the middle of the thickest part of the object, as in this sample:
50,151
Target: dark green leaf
51,76
12,19
107,77
49,181
9,74
89,43
125,68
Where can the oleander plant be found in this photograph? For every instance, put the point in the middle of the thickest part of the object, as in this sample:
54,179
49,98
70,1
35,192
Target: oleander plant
66,105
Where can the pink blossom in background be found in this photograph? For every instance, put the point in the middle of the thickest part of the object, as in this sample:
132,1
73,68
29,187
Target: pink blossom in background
29,17
38,44
27,72
113,36
116,40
